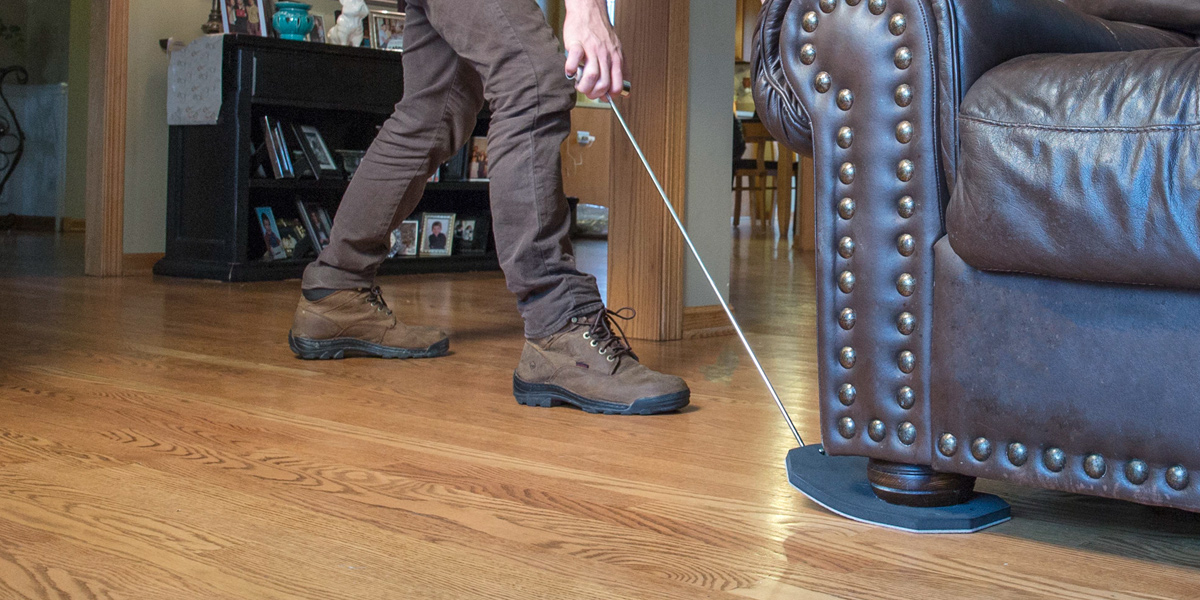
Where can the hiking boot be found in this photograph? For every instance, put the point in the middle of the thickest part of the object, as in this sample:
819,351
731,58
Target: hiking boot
359,323
590,365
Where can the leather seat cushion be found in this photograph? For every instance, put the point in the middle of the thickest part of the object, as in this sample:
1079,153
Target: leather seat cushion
1083,166
1181,15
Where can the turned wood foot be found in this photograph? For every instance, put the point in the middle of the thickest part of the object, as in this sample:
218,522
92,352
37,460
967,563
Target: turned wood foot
918,485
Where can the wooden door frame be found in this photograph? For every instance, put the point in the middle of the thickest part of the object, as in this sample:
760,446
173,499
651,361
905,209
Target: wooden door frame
645,251
108,79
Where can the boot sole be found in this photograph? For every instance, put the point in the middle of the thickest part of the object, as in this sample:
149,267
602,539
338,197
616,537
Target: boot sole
310,349
545,395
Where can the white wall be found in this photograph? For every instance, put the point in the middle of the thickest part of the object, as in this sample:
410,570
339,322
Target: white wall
710,146
146,111
39,182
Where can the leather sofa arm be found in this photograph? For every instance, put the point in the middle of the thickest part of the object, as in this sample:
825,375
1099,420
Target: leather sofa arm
870,88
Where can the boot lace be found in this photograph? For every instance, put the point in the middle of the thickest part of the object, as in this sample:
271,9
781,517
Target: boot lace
375,298
606,335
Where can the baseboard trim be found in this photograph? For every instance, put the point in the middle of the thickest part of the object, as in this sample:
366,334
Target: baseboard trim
705,321
139,264
73,225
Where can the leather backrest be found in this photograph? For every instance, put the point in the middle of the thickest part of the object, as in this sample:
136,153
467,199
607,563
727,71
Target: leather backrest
1181,15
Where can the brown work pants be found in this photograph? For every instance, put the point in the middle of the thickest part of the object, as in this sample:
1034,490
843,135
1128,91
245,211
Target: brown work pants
457,54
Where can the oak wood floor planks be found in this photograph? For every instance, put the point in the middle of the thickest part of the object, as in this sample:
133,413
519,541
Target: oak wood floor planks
159,441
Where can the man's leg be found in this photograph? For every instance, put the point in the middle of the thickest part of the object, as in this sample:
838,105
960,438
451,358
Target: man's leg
515,53
341,312
574,354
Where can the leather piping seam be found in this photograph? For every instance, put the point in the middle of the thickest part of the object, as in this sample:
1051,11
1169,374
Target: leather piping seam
1085,129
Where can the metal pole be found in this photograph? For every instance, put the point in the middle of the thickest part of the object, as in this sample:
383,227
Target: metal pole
713,284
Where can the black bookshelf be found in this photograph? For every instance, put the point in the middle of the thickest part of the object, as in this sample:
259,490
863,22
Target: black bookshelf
214,185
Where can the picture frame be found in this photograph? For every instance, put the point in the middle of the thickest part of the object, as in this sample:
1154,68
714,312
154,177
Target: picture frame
313,143
437,234
270,233
317,34
386,30
244,17
293,237
270,148
315,219
472,233
477,169
405,239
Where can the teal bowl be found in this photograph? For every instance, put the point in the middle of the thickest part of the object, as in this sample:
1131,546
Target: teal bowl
292,20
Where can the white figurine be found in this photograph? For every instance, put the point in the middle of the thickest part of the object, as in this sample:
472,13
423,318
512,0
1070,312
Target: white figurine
349,30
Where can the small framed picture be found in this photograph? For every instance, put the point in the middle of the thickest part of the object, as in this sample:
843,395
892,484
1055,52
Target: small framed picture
478,169
471,234
315,219
318,31
293,237
404,239
246,17
387,30
437,231
314,146
270,233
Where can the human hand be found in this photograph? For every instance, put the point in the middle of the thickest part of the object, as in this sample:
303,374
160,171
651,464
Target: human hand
593,45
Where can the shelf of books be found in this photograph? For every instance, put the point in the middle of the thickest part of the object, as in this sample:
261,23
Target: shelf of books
255,197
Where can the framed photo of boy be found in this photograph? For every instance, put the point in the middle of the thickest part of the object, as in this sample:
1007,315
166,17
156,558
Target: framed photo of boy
270,233
437,231
387,30
246,17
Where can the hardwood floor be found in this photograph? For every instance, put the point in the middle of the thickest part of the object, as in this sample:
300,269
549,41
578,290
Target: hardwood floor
159,441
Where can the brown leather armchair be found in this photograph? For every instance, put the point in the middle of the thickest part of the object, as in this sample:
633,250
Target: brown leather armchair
1008,236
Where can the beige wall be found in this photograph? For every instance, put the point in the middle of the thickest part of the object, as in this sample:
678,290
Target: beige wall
146,133
77,108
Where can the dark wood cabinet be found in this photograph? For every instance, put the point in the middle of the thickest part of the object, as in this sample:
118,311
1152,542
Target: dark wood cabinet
214,185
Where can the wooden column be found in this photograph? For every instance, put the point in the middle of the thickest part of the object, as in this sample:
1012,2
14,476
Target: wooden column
645,251
107,89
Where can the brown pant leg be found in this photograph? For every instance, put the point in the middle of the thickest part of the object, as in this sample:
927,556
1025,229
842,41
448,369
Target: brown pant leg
513,51
442,98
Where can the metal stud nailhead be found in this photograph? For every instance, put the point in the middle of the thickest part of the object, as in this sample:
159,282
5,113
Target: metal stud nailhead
877,6
906,245
903,57
904,170
847,357
845,99
904,95
847,319
846,173
1094,466
1054,459
981,449
906,433
1177,477
828,5
906,323
897,24
906,207
906,285
853,2
905,397
846,208
846,247
809,22
876,429
846,427
947,444
1137,472
808,54
823,82
845,137
907,361
904,132
846,282
1017,454
846,394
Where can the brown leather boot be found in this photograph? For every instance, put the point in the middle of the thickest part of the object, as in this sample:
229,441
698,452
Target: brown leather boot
359,323
590,365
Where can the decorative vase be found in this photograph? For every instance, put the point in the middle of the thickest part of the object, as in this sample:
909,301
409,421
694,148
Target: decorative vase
292,20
